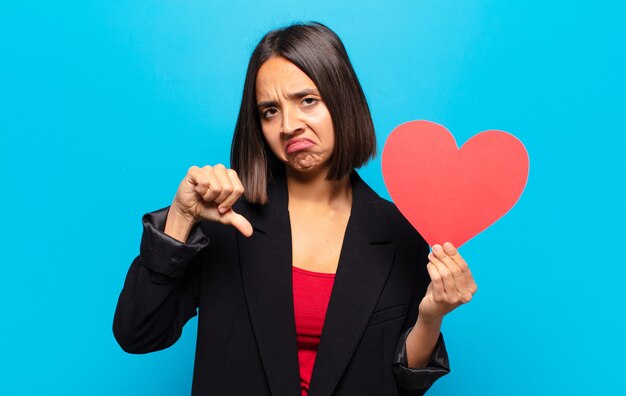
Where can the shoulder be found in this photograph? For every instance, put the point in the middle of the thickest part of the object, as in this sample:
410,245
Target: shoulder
398,224
394,221
391,226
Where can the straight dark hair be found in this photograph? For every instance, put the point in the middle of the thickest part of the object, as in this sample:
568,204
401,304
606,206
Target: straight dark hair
320,54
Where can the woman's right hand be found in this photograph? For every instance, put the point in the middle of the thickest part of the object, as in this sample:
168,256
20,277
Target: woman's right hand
209,193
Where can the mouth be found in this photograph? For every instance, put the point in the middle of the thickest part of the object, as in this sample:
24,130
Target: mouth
298,144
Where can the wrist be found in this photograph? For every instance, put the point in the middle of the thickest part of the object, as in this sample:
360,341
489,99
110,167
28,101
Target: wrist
431,322
178,224
180,216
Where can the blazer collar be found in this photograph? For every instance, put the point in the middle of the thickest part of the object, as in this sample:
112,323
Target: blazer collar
366,206
266,267
364,264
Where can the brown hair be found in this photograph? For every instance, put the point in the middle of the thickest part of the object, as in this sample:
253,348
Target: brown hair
320,54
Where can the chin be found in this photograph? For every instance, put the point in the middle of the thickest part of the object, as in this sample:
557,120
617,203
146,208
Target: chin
302,168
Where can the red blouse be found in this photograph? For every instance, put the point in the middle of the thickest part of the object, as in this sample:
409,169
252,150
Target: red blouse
311,293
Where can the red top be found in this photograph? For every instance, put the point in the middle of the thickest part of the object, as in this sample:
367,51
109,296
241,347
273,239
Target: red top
311,293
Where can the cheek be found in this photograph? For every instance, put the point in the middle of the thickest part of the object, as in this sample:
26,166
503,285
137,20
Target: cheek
325,122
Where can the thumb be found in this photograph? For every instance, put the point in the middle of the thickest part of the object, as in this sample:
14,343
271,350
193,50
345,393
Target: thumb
239,222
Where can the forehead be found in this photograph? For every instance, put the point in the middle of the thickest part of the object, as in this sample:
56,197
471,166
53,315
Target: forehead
278,75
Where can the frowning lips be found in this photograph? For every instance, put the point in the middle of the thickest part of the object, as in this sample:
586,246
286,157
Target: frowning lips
298,144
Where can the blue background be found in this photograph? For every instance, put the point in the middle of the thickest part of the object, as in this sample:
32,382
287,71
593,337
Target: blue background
104,106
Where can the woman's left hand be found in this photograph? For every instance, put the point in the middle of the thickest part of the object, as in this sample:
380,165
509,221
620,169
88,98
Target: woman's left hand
451,283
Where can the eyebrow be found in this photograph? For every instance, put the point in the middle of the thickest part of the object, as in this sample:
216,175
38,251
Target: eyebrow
298,94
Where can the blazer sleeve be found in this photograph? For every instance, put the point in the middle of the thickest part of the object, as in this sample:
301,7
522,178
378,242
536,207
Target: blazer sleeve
416,381
160,293
419,380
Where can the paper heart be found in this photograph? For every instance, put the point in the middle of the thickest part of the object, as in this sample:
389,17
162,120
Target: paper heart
451,194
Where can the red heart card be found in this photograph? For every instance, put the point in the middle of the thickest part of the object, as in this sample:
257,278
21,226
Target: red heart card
450,194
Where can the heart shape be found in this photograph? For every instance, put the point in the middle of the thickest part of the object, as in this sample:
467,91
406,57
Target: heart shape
451,194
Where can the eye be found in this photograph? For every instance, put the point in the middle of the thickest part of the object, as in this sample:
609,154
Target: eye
310,101
269,113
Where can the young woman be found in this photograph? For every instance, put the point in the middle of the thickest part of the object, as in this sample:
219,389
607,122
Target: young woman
305,280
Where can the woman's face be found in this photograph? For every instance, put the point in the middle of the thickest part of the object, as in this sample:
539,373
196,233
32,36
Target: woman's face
295,121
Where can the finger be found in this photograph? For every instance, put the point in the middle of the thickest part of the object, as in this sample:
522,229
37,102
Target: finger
436,283
227,185
473,286
459,278
450,288
458,259
214,187
454,254
196,178
209,187
234,196
239,222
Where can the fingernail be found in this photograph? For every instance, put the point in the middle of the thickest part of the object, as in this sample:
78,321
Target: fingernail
222,210
437,249
447,246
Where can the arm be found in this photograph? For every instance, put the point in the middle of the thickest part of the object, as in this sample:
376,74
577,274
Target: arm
451,285
161,288
421,340
416,381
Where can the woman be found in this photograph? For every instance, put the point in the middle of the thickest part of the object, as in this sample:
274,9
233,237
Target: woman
310,284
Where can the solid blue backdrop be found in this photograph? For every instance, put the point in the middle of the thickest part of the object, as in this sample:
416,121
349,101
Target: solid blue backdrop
104,106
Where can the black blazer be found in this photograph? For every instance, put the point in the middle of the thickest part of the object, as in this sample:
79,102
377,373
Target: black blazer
241,289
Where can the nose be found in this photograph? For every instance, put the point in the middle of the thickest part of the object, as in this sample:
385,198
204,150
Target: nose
291,122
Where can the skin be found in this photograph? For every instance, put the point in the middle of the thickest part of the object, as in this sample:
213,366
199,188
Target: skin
296,122
298,129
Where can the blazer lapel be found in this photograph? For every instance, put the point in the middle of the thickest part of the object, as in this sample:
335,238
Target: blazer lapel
265,260
364,265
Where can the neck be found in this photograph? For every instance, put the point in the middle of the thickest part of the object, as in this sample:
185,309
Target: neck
314,189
